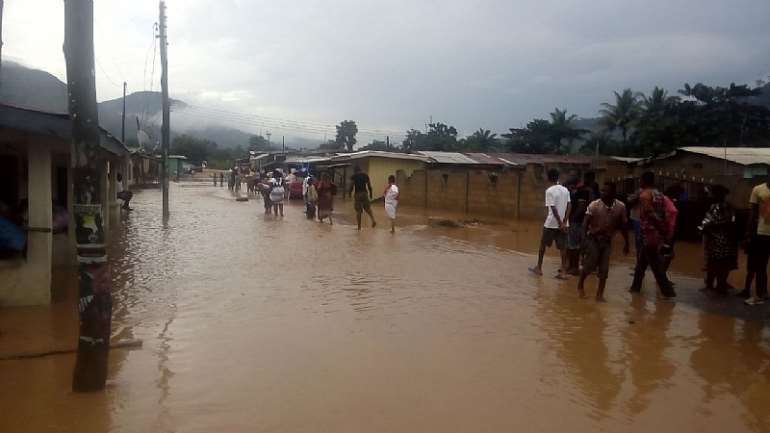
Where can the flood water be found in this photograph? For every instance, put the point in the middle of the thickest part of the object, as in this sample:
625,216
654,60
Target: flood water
253,324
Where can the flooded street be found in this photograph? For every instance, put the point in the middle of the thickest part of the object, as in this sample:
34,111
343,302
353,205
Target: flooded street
255,324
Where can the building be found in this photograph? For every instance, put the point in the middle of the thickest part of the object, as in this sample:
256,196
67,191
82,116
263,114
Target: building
497,184
377,164
36,179
687,172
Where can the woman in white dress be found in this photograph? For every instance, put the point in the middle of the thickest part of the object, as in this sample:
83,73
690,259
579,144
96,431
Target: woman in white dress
277,191
391,201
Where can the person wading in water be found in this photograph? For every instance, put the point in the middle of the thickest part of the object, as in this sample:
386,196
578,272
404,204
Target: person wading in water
603,218
557,201
361,187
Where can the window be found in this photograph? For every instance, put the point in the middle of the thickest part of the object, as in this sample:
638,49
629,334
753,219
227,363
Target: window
752,171
493,180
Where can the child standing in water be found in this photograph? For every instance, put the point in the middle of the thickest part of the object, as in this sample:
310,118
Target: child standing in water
391,201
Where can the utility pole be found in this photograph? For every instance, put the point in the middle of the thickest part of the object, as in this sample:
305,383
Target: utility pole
283,144
387,141
165,131
268,139
88,173
123,120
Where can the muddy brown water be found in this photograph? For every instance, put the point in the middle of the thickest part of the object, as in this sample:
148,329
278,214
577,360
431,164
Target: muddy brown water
252,324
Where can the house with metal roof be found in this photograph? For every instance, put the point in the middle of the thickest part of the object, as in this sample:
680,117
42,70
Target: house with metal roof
377,164
36,194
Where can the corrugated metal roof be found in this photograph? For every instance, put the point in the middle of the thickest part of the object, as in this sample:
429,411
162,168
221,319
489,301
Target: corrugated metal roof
738,155
448,157
489,159
627,159
531,158
52,125
379,154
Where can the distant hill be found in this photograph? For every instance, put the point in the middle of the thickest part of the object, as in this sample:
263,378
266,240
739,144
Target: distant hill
39,90
32,88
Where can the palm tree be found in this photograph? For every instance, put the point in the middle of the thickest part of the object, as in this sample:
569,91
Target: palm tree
483,139
564,129
623,114
658,100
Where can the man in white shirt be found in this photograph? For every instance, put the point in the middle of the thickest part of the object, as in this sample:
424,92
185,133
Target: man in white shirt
557,202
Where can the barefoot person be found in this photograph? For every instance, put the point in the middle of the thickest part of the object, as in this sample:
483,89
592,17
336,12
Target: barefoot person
326,190
557,202
391,201
361,188
602,219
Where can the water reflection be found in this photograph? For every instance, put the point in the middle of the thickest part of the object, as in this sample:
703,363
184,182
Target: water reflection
644,353
577,332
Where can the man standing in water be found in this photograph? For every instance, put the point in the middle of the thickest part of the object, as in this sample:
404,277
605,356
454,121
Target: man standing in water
656,236
557,202
603,218
361,186
758,237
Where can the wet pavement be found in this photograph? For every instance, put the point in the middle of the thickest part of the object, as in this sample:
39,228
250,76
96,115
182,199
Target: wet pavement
257,324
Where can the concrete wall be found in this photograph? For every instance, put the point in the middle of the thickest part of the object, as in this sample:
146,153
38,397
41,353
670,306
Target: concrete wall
379,169
513,192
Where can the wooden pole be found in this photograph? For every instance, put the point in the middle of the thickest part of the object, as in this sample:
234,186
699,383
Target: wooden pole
165,135
94,294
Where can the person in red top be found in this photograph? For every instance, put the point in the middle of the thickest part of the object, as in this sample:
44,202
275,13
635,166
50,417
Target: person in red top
657,233
603,218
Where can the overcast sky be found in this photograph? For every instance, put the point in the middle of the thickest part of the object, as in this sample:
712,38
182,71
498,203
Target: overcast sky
391,64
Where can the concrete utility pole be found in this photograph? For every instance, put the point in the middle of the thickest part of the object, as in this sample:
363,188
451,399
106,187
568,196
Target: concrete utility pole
283,144
123,120
88,173
165,131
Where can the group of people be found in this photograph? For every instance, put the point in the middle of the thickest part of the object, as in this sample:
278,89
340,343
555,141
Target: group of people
319,196
582,221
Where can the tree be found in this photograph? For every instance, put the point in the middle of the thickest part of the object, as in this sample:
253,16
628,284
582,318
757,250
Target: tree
564,130
537,137
543,136
482,140
346,135
258,143
413,137
195,149
720,115
623,114
657,129
440,137
380,145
